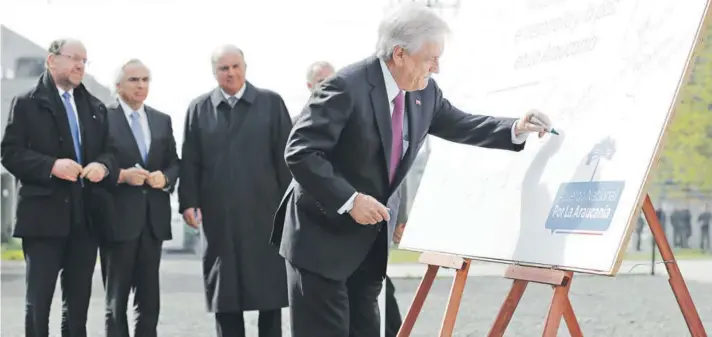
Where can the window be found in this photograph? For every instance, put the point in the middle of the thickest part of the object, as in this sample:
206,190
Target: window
29,67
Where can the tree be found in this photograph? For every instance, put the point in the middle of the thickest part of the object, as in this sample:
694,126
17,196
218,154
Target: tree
686,159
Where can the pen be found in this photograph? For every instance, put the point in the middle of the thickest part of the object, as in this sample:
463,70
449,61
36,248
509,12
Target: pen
534,119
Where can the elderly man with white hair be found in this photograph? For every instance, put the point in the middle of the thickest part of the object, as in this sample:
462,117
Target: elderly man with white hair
351,149
232,177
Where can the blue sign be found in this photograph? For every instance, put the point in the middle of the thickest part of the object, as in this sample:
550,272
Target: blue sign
584,207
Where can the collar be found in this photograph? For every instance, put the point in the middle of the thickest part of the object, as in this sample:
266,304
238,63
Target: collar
128,110
237,95
219,95
392,89
62,91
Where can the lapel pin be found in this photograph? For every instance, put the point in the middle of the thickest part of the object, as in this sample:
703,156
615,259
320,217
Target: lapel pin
417,102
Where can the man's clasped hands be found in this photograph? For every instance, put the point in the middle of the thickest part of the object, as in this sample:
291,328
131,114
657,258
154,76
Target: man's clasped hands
70,170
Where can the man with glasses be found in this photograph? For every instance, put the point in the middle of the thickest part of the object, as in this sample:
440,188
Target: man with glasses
55,144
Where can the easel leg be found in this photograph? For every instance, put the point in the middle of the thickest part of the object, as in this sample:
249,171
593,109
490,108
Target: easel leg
558,308
570,319
682,294
453,304
508,307
417,305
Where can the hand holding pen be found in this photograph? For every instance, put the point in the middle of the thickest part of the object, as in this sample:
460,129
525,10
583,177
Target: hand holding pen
535,121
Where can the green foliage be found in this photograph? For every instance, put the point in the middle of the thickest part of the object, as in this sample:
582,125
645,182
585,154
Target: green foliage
686,159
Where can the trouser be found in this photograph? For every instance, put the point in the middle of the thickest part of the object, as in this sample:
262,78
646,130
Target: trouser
126,265
75,256
393,316
269,324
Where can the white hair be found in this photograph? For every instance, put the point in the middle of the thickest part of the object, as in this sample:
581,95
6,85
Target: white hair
221,51
122,70
409,26
315,68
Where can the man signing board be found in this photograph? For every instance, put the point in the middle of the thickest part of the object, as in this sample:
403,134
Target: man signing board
348,153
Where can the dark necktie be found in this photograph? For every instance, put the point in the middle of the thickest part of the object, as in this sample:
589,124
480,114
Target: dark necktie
397,132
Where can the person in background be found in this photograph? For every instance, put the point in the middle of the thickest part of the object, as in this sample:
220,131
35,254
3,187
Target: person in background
232,177
145,150
56,145
409,189
704,219
348,157
316,73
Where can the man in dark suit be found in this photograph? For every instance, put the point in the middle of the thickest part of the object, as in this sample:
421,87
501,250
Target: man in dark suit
145,151
232,177
56,145
348,154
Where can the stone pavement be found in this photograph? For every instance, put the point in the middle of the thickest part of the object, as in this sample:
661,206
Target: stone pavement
631,304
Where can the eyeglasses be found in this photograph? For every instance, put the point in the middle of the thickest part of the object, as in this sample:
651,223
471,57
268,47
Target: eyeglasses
76,59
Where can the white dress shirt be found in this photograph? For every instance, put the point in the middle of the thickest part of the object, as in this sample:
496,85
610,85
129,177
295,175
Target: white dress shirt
142,119
392,91
237,95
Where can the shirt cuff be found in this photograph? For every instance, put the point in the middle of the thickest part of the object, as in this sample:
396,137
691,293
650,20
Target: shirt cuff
518,139
106,170
348,205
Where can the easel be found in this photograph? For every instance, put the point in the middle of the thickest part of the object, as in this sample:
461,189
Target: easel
560,280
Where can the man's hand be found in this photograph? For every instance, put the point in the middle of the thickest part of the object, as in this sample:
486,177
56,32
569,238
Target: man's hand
66,169
133,176
193,217
95,172
398,234
157,179
533,121
368,211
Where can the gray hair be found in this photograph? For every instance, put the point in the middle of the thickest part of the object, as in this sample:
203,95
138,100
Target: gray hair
409,26
221,51
122,70
315,68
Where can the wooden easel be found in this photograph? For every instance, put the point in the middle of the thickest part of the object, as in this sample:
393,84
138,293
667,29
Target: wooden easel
560,280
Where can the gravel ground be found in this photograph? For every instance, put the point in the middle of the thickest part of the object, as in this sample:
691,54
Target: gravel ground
628,305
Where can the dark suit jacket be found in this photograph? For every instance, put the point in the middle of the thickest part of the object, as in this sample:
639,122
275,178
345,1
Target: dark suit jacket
133,202
341,144
36,135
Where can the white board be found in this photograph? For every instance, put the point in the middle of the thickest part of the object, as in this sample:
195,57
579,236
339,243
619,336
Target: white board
607,73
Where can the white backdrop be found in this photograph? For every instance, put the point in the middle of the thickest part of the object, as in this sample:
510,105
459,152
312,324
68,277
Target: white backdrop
606,72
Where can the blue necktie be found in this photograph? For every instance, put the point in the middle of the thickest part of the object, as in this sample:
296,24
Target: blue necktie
73,126
138,135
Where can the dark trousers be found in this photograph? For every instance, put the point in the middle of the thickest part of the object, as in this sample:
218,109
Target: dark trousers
705,238
75,256
132,265
322,307
393,316
269,324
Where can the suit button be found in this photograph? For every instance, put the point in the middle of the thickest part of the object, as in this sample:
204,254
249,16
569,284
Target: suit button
66,200
61,139
143,191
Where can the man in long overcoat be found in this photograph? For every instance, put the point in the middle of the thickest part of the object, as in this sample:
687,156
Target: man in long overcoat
232,178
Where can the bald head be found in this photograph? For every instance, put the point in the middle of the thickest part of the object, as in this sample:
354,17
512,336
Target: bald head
66,61
318,72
